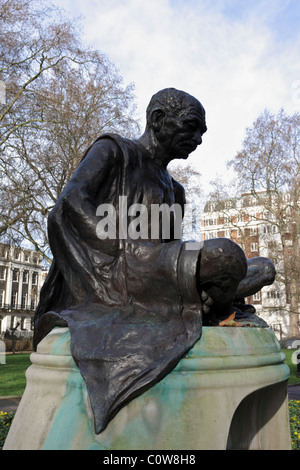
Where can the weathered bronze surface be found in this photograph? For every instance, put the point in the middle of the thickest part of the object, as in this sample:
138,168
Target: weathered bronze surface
136,305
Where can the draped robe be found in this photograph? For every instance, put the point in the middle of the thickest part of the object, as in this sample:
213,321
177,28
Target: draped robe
132,306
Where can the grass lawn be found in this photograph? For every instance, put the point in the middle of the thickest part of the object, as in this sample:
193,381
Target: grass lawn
293,367
12,374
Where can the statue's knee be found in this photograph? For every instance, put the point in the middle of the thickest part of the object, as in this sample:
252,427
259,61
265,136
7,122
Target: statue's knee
221,256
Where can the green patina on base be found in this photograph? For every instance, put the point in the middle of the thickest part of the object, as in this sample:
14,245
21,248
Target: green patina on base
229,392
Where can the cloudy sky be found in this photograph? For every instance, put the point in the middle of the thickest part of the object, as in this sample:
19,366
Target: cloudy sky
237,57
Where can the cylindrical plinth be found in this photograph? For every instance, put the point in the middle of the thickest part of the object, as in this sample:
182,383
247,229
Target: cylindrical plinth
229,392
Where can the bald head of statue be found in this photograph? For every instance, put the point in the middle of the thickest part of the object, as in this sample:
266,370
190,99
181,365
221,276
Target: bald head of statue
175,125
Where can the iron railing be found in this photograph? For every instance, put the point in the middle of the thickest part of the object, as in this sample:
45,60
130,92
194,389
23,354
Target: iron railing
10,308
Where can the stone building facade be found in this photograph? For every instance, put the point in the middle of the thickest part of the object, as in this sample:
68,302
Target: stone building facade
244,221
21,278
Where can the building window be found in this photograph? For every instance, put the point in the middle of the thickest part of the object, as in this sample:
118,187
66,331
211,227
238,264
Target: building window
25,277
212,235
14,300
273,294
32,305
211,222
254,246
2,273
15,275
256,296
34,278
1,298
24,300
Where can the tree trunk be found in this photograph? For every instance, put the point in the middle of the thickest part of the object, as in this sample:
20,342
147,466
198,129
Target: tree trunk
294,331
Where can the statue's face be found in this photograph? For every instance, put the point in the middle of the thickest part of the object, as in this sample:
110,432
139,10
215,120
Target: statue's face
180,135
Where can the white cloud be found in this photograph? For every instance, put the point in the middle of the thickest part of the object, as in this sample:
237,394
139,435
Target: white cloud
230,59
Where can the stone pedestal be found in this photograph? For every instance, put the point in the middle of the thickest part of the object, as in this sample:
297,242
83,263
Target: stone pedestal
229,392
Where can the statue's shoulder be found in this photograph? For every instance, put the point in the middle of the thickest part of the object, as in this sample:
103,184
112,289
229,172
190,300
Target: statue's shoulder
122,145
109,145
111,139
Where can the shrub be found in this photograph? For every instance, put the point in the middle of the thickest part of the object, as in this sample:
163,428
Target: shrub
294,409
20,345
5,422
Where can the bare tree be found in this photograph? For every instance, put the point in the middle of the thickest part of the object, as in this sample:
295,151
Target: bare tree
33,40
268,168
190,179
59,99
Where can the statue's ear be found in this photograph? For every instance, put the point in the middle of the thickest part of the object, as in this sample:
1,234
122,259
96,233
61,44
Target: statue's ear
157,119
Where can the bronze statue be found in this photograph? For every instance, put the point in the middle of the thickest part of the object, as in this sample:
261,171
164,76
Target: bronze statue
136,305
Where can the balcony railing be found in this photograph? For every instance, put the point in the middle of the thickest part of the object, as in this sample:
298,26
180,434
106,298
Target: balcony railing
11,308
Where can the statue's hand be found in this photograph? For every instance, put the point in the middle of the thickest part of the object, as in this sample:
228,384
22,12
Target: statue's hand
207,302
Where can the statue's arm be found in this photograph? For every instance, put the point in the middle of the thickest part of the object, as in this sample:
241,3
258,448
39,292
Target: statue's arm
72,222
75,211
260,272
